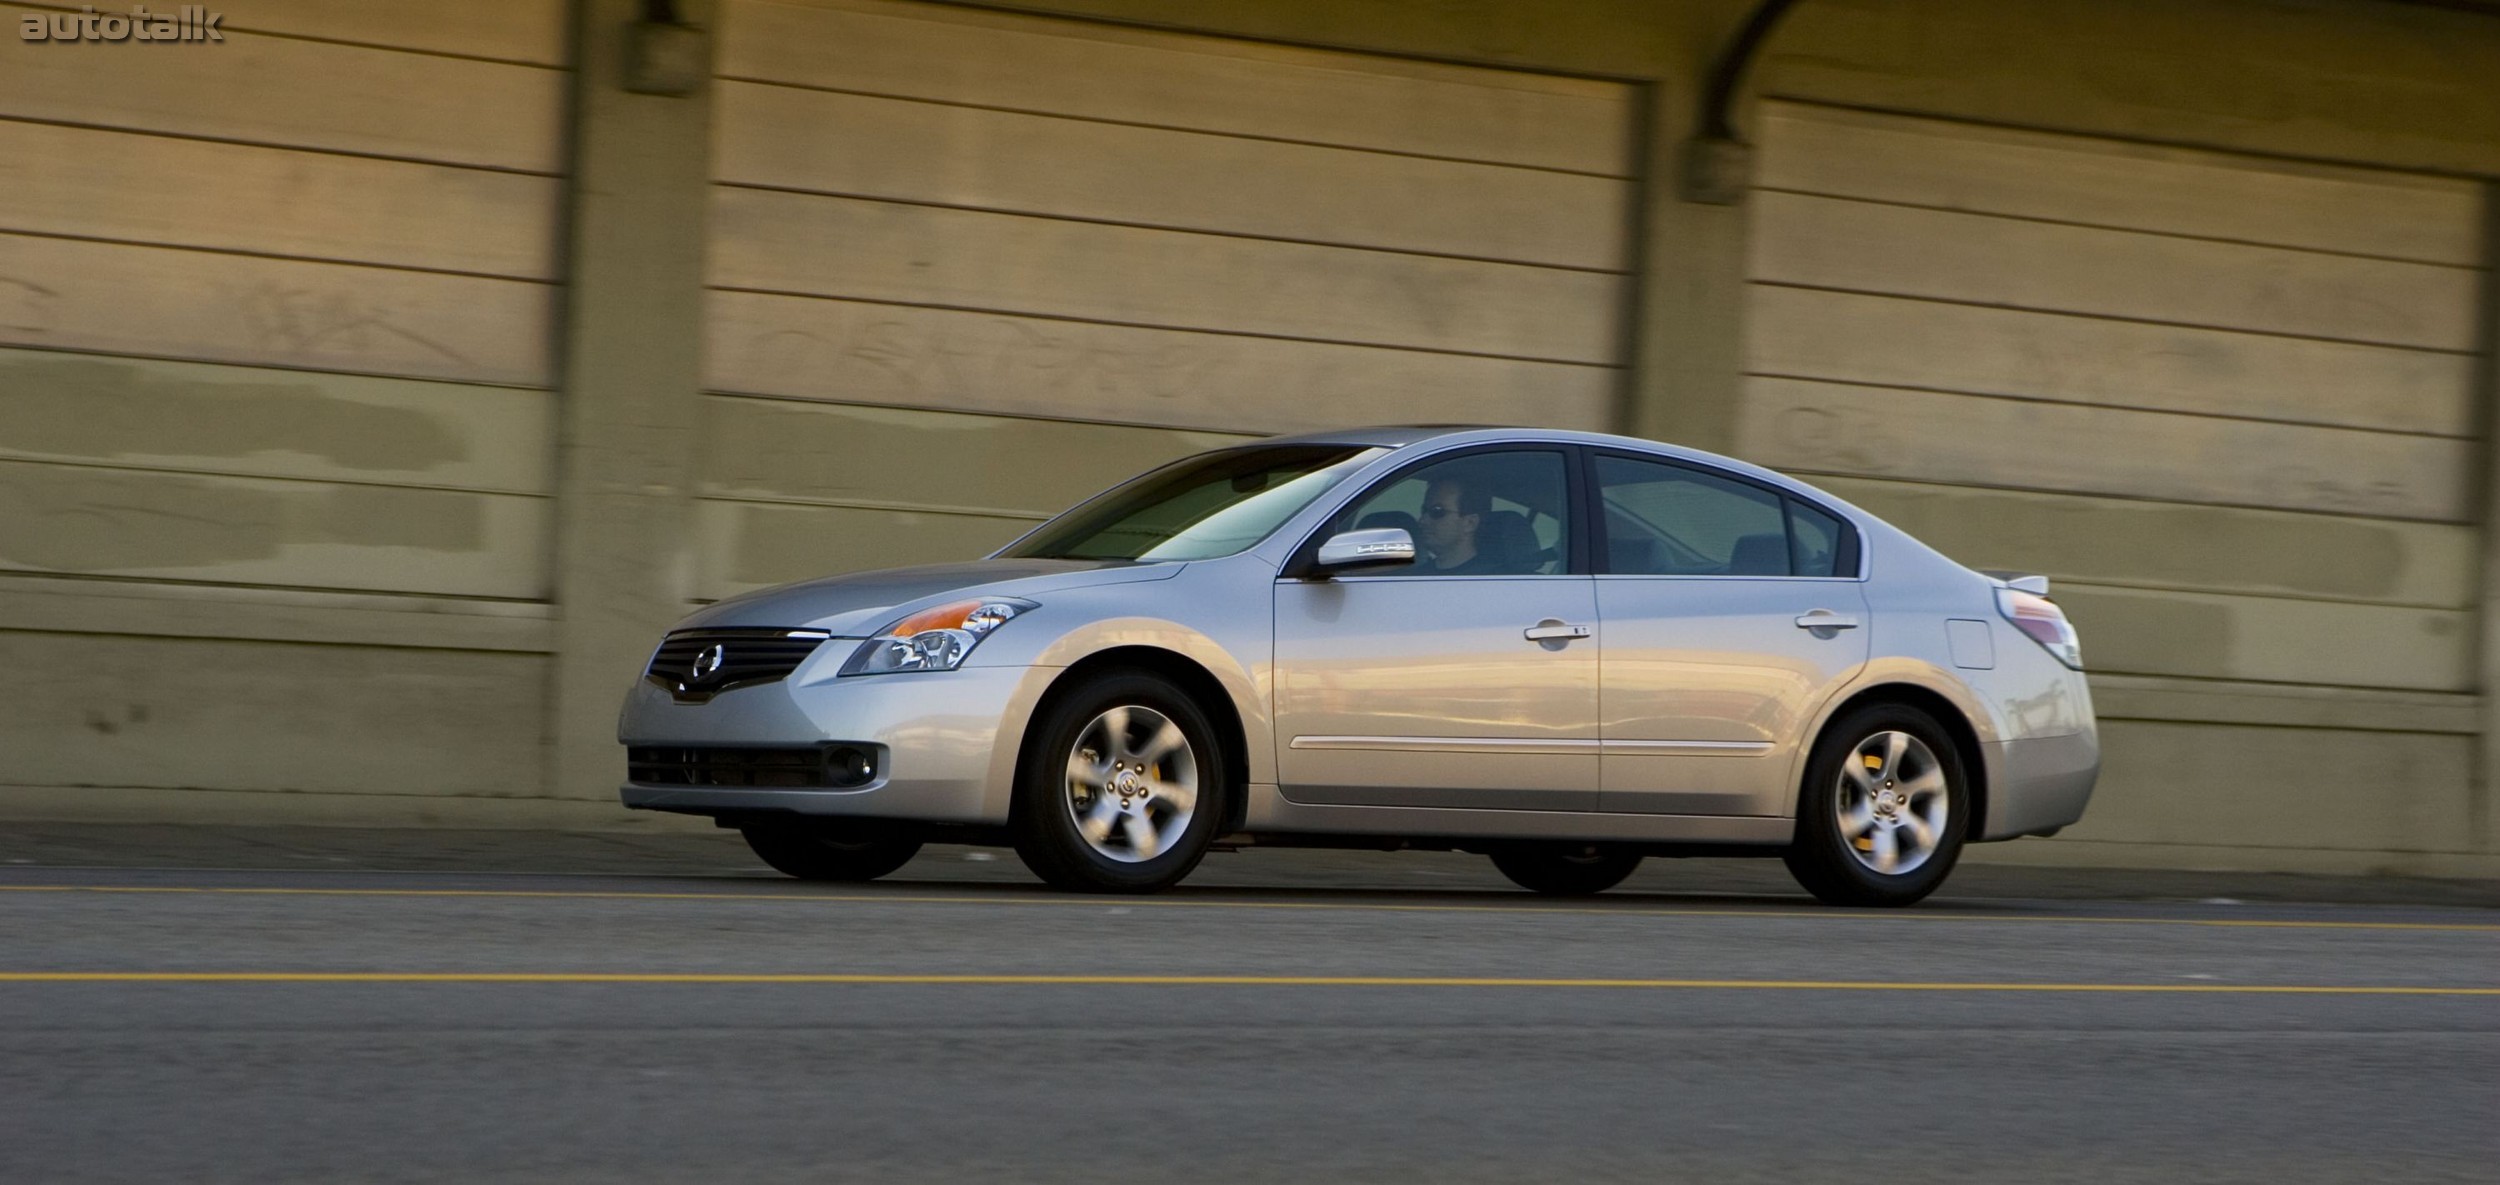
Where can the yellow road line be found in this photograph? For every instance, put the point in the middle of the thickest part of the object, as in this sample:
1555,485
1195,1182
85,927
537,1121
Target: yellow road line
1426,981
1186,903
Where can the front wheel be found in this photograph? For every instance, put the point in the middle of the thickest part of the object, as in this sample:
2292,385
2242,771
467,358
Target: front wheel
1883,810
1565,869
1122,787
859,851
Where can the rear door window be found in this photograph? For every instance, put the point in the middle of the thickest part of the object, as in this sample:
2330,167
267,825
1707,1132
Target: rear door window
1670,520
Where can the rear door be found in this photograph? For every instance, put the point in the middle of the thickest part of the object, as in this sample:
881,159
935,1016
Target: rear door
1731,612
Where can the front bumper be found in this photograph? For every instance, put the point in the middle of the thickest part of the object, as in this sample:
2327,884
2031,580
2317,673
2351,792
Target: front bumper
950,740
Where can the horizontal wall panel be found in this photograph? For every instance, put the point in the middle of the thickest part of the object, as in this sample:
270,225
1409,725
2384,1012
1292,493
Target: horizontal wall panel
848,352
961,156
2281,787
1127,75
274,423
2181,546
1957,166
82,710
68,294
296,93
746,546
274,201
1848,337
931,255
1868,247
777,449
2403,85
138,523
1919,435
533,31
72,605
2154,697
2270,639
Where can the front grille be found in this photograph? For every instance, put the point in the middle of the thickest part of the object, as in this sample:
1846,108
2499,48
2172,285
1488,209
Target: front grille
696,665
683,766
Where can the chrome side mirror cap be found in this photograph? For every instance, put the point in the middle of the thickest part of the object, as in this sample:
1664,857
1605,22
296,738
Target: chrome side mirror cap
1380,547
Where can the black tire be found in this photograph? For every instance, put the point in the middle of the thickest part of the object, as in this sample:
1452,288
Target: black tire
1841,869
1048,835
1565,869
832,851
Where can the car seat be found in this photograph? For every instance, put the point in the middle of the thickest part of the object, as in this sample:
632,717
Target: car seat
1631,556
1381,519
1765,554
1509,544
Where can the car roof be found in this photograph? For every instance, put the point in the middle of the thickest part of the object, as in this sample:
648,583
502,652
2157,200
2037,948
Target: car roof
1398,436
1382,436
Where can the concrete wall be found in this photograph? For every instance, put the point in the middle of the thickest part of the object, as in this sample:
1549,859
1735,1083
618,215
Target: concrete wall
277,396
419,604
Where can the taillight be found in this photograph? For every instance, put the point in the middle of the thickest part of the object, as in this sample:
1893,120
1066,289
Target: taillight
2046,623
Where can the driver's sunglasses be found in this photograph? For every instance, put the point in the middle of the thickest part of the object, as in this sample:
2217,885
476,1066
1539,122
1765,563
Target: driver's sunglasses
1438,511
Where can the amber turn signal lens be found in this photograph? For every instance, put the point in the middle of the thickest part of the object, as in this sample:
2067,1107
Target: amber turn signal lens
944,617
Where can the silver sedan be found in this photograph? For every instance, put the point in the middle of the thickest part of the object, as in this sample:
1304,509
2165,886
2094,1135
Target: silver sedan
1565,651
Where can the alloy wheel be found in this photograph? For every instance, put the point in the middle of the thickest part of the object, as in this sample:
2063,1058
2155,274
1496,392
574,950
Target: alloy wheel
1892,802
1132,783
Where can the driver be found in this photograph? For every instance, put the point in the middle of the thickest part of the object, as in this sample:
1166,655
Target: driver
1454,507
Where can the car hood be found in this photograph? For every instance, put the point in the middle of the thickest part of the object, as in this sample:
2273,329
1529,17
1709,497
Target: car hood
854,605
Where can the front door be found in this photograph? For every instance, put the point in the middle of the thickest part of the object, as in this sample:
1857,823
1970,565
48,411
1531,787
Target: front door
1728,623
1467,679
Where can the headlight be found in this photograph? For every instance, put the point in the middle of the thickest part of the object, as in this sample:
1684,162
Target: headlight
934,639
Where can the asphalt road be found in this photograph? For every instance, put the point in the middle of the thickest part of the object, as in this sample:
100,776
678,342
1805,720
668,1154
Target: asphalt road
963,1025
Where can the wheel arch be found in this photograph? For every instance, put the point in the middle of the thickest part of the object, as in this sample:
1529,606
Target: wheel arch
1947,714
1192,677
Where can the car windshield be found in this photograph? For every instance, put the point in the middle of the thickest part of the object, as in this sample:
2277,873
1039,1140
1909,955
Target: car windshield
1198,508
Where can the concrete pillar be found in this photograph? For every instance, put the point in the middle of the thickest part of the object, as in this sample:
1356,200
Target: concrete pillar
2485,812
632,366
1685,383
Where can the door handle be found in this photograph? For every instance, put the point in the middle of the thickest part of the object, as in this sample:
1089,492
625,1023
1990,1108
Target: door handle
1553,630
1825,619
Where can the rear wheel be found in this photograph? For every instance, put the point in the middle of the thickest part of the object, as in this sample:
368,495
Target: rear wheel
1882,814
1122,788
838,851
1565,869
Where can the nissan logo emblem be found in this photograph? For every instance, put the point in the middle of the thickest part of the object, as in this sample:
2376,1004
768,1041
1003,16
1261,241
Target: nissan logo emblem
708,661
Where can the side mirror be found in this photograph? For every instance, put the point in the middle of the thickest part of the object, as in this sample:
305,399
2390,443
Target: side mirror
1351,551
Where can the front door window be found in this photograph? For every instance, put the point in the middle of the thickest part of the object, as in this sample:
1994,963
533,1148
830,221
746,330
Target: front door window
1484,514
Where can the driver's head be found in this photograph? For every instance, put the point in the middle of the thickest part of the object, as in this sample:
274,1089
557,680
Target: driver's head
1453,508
